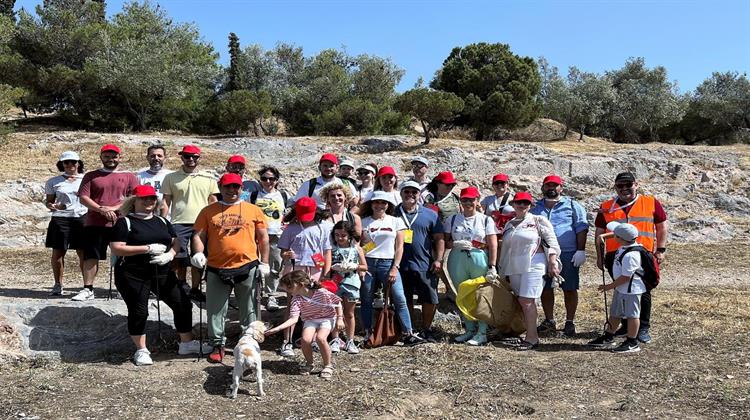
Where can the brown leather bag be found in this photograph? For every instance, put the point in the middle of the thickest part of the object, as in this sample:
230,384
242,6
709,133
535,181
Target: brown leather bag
499,307
387,329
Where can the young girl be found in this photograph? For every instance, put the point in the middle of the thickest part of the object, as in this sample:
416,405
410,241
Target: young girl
305,245
321,312
348,263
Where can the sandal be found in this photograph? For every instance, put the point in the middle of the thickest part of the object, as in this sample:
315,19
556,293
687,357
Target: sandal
305,369
327,372
526,345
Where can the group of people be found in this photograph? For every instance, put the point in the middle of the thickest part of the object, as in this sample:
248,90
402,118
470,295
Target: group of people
336,242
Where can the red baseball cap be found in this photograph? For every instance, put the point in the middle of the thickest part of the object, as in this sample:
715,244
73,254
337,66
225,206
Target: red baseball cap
470,192
329,285
305,209
552,178
144,191
190,150
500,177
236,159
110,148
523,196
387,170
446,178
329,157
230,178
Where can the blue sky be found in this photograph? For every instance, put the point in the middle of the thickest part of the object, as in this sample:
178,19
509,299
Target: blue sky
691,38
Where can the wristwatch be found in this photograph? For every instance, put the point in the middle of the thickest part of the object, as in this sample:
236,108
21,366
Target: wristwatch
662,250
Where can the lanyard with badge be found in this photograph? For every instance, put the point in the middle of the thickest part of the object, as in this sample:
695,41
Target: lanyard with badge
409,232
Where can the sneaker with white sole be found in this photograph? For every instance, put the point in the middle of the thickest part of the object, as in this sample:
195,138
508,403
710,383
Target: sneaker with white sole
478,339
464,337
142,357
351,348
193,347
57,290
628,346
336,345
287,350
85,294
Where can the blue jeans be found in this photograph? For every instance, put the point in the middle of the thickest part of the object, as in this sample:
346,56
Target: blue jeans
377,274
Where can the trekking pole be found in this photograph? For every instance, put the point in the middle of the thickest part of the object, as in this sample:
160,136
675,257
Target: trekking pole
158,305
607,325
258,293
112,262
204,275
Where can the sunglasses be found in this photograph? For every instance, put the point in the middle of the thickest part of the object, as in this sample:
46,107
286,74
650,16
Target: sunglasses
188,157
69,162
624,185
499,183
233,186
410,191
363,173
266,178
522,203
467,200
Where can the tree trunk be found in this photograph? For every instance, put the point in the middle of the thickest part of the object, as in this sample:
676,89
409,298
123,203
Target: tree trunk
260,124
426,130
567,130
255,128
580,133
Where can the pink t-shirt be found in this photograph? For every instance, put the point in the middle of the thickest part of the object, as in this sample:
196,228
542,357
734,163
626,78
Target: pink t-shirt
106,189
322,305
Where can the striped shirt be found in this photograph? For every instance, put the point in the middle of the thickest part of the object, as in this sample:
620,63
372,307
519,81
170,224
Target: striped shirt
322,305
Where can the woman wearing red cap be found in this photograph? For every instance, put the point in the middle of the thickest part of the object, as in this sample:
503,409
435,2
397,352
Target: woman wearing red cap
529,252
145,244
440,196
386,181
472,236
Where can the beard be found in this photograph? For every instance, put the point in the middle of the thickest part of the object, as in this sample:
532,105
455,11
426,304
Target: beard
551,194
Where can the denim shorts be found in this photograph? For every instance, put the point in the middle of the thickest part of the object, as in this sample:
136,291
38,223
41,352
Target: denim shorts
319,323
348,293
569,272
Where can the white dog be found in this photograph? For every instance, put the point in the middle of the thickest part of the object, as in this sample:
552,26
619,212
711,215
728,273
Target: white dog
247,355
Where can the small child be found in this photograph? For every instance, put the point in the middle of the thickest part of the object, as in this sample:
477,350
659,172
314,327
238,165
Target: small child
626,300
348,261
321,312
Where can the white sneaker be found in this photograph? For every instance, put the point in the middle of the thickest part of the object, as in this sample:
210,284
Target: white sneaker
193,347
142,357
478,340
464,337
336,345
351,348
85,294
287,350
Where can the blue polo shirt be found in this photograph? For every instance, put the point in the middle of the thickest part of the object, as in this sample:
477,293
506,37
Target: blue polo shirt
568,217
424,223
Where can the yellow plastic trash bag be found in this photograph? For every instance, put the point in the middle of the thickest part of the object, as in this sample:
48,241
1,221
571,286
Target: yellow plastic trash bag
467,297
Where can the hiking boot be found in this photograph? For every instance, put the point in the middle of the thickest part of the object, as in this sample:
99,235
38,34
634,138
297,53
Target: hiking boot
429,335
197,296
287,350
272,305
547,327
351,348
85,294
336,345
570,329
479,339
57,290
643,336
628,346
465,336
412,340
142,357
603,340
193,347
217,355
622,331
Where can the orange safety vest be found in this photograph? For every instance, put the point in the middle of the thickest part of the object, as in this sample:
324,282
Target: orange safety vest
641,215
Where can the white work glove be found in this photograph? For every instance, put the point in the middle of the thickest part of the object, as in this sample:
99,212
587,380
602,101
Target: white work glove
198,260
162,259
264,269
492,276
350,267
156,249
338,267
579,258
462,245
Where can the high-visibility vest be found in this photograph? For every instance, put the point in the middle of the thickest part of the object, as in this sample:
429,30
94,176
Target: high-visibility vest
641,215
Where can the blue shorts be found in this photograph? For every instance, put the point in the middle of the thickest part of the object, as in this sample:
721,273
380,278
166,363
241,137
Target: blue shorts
569,272
348,293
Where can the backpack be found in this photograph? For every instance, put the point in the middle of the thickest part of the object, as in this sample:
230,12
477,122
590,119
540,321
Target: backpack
284,196
649,270
313,182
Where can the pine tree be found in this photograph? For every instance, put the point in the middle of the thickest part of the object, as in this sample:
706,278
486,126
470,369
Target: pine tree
234,57
6,8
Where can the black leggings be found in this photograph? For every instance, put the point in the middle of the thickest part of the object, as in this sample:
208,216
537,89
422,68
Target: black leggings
135,290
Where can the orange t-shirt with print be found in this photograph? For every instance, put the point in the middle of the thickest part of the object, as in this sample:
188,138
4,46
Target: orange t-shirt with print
230,233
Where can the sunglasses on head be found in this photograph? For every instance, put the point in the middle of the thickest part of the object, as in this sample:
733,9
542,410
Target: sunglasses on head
268,178
624,185
188,157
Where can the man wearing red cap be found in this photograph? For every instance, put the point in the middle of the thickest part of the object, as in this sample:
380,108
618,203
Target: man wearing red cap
235,233
102,192
186,192
328,167
236,164
568,218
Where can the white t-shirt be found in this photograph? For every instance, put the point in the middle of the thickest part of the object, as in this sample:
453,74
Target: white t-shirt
492,203
66,193
146,177
272,206
474,228
630,264
395,195
383,234
320,183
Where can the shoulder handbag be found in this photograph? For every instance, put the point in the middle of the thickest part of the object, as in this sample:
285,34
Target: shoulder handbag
499,307
387,329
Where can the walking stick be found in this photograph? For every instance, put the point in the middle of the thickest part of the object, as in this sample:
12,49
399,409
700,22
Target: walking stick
204,274
158,304
112,262
607,325
258,293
